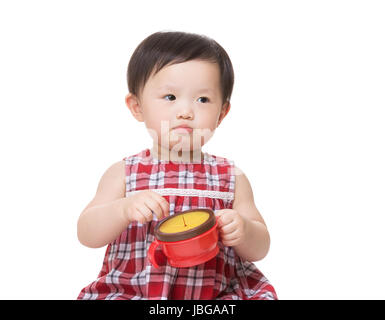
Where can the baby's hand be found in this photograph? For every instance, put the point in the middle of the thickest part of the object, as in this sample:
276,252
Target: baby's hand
231,227
142,205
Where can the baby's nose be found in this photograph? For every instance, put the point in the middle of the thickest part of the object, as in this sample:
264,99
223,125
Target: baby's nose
185,116
185,113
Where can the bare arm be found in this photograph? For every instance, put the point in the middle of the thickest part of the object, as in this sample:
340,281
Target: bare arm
256,240
243,227
103,219
109,213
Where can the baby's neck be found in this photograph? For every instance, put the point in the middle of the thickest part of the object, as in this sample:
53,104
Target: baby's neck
177,156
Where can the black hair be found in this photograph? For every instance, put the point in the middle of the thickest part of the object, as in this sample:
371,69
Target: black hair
169,47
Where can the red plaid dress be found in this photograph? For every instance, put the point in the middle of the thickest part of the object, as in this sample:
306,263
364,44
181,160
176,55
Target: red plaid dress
128,274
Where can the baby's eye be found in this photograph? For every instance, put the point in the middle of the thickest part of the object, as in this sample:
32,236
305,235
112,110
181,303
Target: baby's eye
170,97
204,99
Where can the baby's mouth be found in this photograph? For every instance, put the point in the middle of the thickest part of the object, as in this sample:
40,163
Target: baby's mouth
183,130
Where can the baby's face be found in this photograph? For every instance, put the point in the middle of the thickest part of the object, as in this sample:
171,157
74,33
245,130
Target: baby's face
186,93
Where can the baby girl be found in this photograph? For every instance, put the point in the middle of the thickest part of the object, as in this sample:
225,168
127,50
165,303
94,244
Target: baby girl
180,86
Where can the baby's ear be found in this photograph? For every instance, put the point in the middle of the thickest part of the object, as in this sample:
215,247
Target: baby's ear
133,104
224,111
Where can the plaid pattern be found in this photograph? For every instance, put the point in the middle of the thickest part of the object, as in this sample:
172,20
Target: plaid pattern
127,273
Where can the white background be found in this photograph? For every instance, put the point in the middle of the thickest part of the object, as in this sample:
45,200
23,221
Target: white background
306,126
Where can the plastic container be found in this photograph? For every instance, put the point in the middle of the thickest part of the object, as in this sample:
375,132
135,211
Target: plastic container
195,246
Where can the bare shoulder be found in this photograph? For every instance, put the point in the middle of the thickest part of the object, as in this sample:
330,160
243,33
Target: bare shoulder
243,196
243,191
115,173
111,186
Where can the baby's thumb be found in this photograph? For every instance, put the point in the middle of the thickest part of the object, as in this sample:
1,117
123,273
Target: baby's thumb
218,215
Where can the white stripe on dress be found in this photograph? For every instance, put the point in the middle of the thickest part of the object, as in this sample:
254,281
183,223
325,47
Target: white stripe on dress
191,193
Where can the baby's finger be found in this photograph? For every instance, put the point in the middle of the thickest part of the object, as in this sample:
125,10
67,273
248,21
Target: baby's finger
164,205
231,243
230,236
223,221
155,208
139,217
145,212
229,228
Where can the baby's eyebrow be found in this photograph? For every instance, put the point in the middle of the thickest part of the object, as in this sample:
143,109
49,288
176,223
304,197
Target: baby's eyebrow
170,87
167,87
206,90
